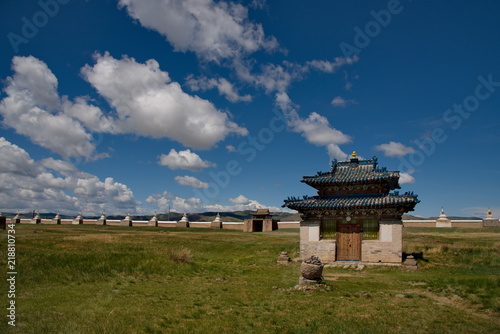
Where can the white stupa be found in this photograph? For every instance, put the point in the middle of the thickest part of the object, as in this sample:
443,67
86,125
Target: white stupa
216,223
443,220
184,222
153,221
78,219
490,221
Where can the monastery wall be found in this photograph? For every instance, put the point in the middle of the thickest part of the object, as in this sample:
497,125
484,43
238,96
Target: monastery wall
452,223
281,225
419,223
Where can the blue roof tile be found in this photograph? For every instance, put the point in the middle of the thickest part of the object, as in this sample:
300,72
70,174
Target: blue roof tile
371,201
352,172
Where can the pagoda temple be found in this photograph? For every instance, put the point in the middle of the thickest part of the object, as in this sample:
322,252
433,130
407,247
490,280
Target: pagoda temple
355,216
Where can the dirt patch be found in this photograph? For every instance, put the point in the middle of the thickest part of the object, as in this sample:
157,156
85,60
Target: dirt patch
95,237
335,276
417,283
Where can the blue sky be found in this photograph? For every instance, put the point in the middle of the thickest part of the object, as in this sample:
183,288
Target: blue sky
137,106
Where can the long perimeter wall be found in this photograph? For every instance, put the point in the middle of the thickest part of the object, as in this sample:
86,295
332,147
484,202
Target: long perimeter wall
240,225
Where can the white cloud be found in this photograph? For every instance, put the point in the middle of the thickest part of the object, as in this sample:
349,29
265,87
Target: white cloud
242,200
161,201
57,165
90,116
230,148
26,184
222,31
331,67
394,149
241,203
184,160
149,104
334,152
213,30
278,78
187,205
406,178
317,130
339,101
190,181
165,201
224,87
32,107
16,161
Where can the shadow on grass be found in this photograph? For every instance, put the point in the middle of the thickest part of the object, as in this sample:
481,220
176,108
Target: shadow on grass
416,256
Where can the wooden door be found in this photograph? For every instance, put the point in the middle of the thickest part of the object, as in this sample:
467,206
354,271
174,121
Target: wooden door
349,238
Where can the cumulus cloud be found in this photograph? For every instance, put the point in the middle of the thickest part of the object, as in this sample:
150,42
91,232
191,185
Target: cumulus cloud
33,108
217,31
317,130
241,203
57,165
239,200
145,100
184,160
213,30
334,152
160,201
222,31
148,103
406,178
339,101
224,87
394,149
190,181
164,201
26,184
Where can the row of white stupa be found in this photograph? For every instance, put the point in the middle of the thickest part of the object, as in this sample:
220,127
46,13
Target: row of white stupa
127,221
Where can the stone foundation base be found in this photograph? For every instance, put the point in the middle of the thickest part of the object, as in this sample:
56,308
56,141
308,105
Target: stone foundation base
216,225
306,281
182,224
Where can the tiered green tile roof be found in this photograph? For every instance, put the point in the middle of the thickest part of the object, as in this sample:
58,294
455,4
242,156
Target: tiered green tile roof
353,171
369,201
357,173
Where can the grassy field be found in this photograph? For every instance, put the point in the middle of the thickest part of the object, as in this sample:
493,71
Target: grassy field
101,279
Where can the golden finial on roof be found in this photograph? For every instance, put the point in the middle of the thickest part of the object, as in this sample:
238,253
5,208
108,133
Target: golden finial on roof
489,212
353,156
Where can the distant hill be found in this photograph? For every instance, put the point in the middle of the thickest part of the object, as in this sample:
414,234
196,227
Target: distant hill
458,218
410,217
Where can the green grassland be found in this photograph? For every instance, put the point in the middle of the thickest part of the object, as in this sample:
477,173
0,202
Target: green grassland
110,279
